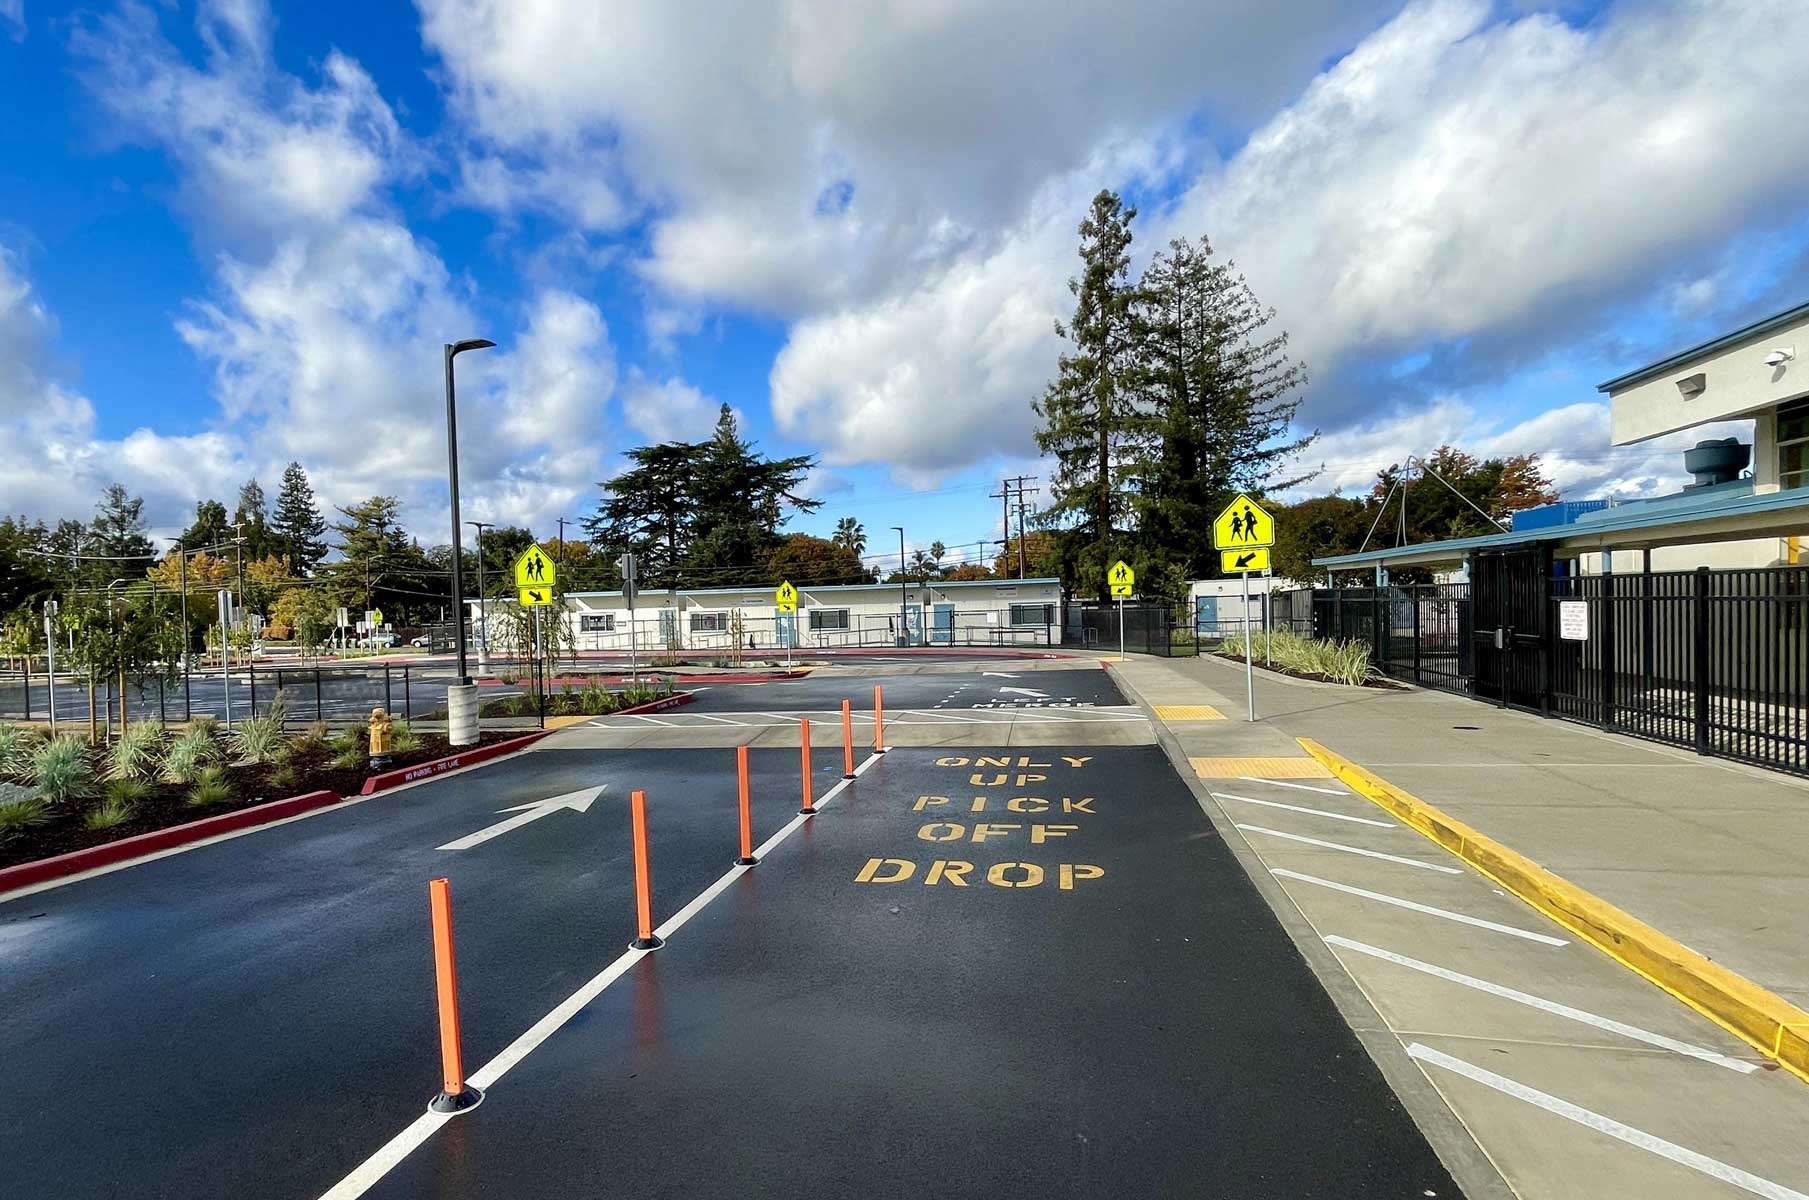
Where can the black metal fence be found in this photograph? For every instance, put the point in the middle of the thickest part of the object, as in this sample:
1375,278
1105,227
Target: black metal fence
1715,661
1160,629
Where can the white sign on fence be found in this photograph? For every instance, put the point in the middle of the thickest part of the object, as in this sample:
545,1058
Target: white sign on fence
1573,620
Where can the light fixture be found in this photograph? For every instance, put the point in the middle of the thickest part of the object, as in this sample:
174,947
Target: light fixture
1692,385
1780,356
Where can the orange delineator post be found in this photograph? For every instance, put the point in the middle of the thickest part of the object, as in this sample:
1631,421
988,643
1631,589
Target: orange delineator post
809,805
847,739
454,1096
643,884
879,719
747,858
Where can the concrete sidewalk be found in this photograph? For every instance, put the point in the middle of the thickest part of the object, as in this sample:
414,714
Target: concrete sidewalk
1713,853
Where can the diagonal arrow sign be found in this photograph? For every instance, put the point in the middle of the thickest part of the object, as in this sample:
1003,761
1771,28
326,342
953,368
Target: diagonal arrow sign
1025,692
579,801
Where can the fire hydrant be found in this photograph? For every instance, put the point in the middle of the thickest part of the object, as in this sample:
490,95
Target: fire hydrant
381,729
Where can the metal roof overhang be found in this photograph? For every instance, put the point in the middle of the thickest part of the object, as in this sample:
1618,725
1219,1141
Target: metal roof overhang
1674,521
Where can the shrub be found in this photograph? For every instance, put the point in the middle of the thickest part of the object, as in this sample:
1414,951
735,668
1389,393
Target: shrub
128,791
189,754
210,788
259,739
20,810
134,755
403,739
1344,662
62,769
109,813
17,746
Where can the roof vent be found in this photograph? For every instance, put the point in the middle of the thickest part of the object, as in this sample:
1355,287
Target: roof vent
1717,461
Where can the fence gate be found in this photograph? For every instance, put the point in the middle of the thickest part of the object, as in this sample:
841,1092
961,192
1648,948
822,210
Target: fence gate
1510,624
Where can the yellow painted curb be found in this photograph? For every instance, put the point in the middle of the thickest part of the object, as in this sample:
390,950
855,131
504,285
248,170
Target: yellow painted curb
1772,1025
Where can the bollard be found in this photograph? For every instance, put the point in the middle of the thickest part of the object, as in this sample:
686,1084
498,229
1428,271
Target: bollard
747,858
643,885
456,1095
879,719
847,739
809,807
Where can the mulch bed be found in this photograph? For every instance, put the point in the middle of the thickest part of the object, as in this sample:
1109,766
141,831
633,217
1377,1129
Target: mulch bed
167,804
1379,682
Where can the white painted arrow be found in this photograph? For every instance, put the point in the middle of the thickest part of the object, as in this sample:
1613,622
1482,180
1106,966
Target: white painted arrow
579,801
1025,692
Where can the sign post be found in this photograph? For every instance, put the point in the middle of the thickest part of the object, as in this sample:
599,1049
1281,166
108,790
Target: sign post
786,600
1242,535
630,590
50,659
223,601
1122,579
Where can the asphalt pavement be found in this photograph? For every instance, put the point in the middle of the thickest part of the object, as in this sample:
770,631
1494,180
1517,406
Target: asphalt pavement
993,686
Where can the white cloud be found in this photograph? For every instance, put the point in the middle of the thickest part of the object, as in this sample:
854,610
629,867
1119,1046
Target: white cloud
1456,175
668,410
12,19
1571,441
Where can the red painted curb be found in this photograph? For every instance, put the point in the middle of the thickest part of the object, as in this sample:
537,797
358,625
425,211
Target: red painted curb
105,855
675,700
452,762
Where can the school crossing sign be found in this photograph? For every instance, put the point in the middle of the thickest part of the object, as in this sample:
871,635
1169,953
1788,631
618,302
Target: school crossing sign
1244,525
1122,579
786,598
535,577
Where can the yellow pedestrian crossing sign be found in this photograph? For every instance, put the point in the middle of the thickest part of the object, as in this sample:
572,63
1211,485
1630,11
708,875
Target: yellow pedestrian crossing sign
534,569
786,597
535,597
1243,525
1122,578
1237,562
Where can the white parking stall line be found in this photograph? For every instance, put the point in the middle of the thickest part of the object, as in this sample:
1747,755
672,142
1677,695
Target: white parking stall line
1544,939
653,720
1317,812
718,720
793,718
924,712
1343,849
1714,1168
1299,787
1634,1032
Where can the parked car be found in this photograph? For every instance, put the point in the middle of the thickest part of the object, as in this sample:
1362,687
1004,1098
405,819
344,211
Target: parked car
380,641
431,642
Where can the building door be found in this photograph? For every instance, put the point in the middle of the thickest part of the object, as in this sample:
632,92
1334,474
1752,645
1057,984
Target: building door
942,631
1510,618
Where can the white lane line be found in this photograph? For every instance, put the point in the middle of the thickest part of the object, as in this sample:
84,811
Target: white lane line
1415,906
1340,846
1550,1006
1299,787
654,721
950,717
374,1168
1317,812
718,720
781,716
1714,1168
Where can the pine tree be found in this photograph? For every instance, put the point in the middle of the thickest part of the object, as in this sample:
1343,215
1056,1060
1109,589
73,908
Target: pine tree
298,528
1092,422
251,518
1223,392
372,542
650,510
118,533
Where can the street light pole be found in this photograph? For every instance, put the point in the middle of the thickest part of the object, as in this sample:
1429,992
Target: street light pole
904,617
461,701
483,600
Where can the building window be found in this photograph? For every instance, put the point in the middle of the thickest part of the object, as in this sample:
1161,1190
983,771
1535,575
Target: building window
1793,445
1033,614
597,623
709,622
828,618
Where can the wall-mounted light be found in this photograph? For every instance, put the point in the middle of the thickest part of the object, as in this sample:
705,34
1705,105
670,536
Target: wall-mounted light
1780,356
1692,385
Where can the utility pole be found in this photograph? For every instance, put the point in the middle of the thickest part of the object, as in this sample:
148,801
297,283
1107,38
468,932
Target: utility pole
1021,480
1004,497
238,553
483,602
559,557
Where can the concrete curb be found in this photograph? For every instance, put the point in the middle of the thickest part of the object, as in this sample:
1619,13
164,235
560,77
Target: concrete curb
108,853
1769,1023
452,762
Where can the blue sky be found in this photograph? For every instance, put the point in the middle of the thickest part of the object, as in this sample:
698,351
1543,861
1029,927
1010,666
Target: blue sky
232,235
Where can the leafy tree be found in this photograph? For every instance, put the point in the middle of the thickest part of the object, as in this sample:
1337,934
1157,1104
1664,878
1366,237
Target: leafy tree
298,529
1042,556
1223,393
308,612
1316,528
371,543
814,562
26,576
848,533
251,522
967,571
264,578
118,533
209,527
1092,422
140,636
